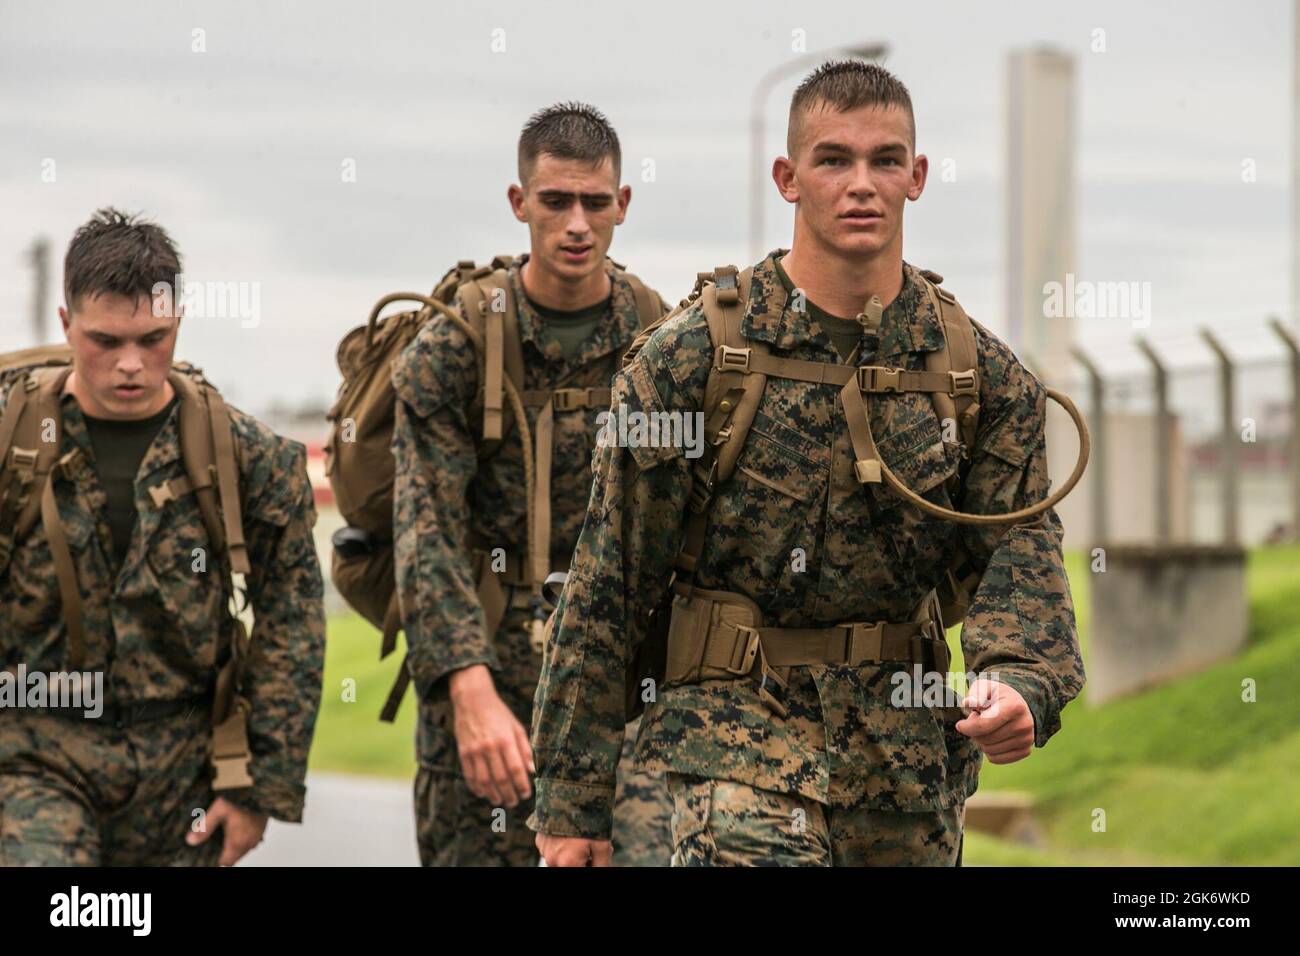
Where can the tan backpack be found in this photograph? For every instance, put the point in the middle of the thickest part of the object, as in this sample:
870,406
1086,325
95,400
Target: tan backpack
359,460
732,395
29,462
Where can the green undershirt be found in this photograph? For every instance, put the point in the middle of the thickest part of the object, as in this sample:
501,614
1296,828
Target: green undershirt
572,328
845,333
119,447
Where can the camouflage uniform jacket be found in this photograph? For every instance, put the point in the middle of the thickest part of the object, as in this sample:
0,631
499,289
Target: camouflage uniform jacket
155,627
866,555
447,496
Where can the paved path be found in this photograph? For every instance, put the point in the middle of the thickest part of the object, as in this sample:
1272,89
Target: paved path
348,821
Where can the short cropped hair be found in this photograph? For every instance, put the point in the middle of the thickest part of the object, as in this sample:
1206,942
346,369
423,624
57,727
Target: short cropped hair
118,253
568,131
845,85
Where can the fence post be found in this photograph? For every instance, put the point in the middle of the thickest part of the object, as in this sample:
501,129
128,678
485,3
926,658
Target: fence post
1164,454
1229,443
1097,394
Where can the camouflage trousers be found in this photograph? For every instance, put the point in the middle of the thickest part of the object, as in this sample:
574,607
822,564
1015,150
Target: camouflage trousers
455,828
722,823
75,792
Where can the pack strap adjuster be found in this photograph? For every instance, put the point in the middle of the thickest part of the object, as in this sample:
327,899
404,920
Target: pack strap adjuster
745,651
726,285
964,383
867,471
728,359
22,458
875,378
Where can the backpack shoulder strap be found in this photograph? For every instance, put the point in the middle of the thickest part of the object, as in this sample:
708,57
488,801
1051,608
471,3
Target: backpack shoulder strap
959,354
731,398
208,452
733,391
649,307
499,328
29,488
34,399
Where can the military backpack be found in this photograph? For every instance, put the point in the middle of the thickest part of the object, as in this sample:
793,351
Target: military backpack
31,425
360,464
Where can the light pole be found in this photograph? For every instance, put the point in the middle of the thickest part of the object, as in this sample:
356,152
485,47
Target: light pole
758,129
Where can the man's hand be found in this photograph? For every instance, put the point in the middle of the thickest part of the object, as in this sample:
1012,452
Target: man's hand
494,751
574,851
1002,725
241,830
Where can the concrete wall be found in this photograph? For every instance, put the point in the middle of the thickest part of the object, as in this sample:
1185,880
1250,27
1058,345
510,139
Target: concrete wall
1157,615
1130,479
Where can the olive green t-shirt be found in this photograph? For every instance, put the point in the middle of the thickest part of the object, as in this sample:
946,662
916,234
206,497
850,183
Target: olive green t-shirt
845,333
119,447
572,328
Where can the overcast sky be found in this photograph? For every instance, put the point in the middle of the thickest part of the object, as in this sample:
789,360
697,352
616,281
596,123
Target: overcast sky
238,150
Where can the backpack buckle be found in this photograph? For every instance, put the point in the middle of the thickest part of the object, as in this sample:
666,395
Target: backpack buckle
744,652
874,378
22,458
964,383
727,359
863,644
566,399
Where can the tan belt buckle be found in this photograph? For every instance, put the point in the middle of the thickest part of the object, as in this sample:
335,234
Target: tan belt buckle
863,643
743,657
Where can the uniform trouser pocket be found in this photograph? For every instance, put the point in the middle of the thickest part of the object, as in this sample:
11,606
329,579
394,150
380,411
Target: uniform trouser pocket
455,828
722,823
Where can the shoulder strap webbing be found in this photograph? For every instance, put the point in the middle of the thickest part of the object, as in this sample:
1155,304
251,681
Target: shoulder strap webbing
959,353
503,347
199,456
647,303
731,398
33,400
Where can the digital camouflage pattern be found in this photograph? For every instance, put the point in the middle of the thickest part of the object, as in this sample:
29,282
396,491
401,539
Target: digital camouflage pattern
721,823
436,443
158,628
91,795
795,532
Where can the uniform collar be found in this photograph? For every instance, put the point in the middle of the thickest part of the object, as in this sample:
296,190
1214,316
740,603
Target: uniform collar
615,332
908,324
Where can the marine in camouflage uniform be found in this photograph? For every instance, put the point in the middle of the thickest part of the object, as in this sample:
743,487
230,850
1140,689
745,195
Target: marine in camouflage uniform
844,777
123,791
445,498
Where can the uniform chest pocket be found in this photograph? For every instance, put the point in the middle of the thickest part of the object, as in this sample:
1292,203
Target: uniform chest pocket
187,580
773,504
925,465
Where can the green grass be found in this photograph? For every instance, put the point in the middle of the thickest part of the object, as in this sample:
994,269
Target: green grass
1186,773
349,735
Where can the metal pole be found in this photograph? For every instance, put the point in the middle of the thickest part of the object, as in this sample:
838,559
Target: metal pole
38,254
1293,349
1163,452
1097,394
1229,443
